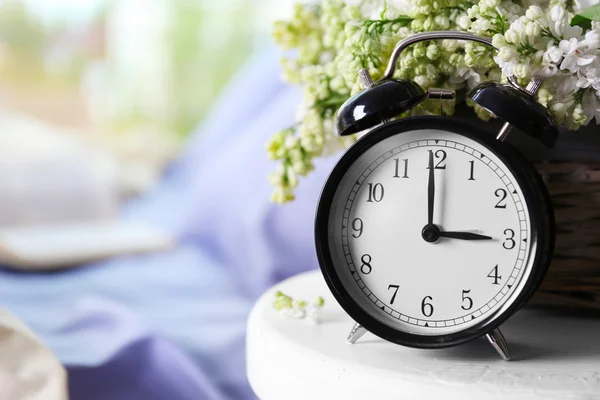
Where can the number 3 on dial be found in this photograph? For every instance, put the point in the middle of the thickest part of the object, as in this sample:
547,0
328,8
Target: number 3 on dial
509,243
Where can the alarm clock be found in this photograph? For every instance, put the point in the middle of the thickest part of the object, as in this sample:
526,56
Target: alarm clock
429,231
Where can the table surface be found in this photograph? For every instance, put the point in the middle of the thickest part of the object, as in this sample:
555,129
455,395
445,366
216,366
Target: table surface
555,356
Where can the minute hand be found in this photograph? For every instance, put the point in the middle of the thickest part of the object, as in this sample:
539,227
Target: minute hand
464,236
430,190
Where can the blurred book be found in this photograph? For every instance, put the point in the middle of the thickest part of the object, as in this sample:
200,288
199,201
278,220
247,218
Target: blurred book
59,200
62,246
51,176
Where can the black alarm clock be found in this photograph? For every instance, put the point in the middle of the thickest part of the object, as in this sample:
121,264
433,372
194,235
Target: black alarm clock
429,231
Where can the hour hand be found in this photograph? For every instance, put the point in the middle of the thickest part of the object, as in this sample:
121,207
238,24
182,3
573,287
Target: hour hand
464,236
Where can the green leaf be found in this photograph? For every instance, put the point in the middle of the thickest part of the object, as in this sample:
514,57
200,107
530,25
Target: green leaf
585,18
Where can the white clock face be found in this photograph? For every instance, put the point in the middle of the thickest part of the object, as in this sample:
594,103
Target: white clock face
380,209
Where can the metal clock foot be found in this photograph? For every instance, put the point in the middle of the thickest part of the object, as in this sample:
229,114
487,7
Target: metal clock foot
356,333
499,344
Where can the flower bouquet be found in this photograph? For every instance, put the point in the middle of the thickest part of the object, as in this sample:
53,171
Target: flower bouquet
330,41
558,40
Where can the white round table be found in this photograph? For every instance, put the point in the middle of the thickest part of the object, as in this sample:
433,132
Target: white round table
555,356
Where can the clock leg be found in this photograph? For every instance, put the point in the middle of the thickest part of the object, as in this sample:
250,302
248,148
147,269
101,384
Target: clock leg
499,344
356,333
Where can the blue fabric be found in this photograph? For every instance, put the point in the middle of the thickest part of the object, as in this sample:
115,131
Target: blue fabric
171,326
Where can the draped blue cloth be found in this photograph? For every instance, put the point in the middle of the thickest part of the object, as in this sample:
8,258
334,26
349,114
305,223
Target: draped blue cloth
172,325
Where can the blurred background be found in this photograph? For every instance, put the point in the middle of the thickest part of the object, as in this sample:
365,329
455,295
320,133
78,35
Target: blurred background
126,80
136,230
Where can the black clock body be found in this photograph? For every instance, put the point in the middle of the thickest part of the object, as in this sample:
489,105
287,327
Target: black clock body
535,195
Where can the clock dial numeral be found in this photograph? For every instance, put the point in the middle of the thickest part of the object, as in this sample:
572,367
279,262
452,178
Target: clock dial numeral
427,308
441,155
471,171
405,168
395,287
357,226
509,243
494,275
467,299
366,268
375,193
500,193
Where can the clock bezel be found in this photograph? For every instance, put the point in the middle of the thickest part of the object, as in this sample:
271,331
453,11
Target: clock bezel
535,195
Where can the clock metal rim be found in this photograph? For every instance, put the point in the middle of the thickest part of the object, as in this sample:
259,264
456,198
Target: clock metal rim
535,195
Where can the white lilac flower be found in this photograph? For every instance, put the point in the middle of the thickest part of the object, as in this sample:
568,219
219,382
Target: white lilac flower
580,5
591,106
544,96
553,55
464,22
589,77
522,71
403,7
488,17
566,86
465,75
547,71
592,40
574,56
534,13
423,81
564,98
577,117
507,59
433,51
298,309
313,310
559,24
559,110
